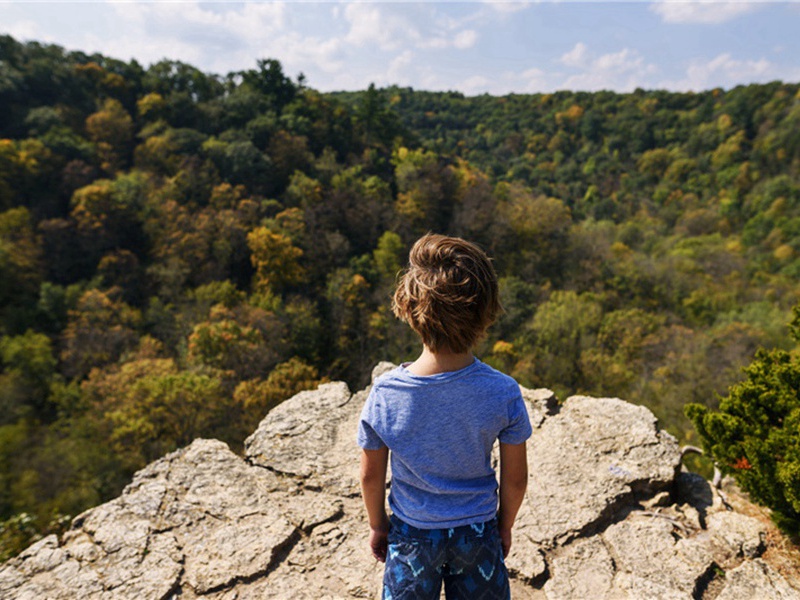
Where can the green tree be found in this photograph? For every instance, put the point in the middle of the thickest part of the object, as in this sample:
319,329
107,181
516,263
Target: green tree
21,268
563,328
28,368
240,342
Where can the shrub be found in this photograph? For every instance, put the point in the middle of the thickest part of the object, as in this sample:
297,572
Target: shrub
755,434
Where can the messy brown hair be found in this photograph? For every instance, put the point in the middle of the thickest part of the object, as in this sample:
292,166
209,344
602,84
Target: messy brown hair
448,293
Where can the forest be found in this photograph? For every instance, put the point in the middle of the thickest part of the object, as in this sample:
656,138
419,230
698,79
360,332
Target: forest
181,251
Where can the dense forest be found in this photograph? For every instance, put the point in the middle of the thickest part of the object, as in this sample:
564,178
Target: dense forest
180,251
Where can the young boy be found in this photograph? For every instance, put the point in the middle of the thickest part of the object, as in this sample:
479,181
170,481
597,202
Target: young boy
439,416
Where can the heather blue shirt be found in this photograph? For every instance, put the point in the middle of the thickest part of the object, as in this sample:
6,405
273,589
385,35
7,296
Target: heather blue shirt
440,430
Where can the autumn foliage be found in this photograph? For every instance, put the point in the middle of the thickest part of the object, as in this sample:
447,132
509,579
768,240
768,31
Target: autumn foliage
181,251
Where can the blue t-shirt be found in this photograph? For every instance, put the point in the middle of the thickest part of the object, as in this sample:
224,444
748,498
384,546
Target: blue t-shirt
440,430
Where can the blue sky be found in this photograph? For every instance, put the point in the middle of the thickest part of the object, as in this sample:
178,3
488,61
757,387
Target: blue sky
473,47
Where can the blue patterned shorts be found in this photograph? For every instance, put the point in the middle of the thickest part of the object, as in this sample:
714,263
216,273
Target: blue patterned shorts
468,559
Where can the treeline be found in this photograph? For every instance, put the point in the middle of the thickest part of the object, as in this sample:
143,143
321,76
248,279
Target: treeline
180,251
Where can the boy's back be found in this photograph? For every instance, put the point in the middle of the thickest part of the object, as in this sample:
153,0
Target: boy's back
440,430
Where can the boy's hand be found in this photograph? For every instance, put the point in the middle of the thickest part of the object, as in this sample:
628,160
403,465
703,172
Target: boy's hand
378,543
505,540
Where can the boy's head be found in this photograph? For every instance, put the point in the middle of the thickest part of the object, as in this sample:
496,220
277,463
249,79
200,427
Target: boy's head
448,294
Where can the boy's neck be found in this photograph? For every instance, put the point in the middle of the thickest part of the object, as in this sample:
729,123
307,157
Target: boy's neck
432,363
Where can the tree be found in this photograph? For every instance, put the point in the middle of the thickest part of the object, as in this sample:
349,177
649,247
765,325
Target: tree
107,214
425,188
148,407
270,81
530,232
99,331
29,366
240,343
21,268
111,128
755,434
275,259
563,328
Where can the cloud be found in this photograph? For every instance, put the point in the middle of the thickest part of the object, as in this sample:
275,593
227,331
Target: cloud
726,71
220,37
700,11
397,71
372,24
535,81
623,71
465,39
477,84
507,7
575,57
24,30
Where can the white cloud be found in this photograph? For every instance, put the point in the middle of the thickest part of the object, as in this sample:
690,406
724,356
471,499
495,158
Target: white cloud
700,11
206,35
298,52
575,57
24,30
726,71
623,71
477,84
535,80
373,24
397,72
507,7
465,39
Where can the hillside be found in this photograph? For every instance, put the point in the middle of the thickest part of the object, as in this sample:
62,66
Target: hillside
180,251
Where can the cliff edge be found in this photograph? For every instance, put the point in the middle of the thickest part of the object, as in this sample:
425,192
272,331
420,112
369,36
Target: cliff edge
609,514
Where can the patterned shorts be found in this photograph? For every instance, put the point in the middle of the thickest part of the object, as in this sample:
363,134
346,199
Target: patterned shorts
468,559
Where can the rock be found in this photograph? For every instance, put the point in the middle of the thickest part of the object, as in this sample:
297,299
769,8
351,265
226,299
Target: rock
541,403
653,561
608,515
528,566
199,518
743,536
587,461
585,569
756,579
312,437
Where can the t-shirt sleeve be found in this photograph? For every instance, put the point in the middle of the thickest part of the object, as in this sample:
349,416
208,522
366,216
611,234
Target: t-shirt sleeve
367,437
519,425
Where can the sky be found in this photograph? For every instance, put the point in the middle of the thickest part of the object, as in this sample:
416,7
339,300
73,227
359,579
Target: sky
473,47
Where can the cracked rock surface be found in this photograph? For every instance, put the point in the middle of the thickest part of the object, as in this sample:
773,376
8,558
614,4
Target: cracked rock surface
609,514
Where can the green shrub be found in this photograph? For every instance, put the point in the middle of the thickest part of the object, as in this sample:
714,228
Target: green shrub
755,434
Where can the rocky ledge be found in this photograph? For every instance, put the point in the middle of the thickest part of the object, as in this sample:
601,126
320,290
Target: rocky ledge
609,514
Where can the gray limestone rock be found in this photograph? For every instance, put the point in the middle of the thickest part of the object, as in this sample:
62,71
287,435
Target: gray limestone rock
756,579
199,518
653,560
589,460
584,569
312,438
742,535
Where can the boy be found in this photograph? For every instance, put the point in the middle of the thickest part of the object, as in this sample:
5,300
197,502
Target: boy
440,416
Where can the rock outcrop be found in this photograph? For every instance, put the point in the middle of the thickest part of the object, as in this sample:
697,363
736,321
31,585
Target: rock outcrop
609,514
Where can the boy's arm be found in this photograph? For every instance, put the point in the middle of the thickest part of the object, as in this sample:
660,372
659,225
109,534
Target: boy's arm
513,483
373,489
